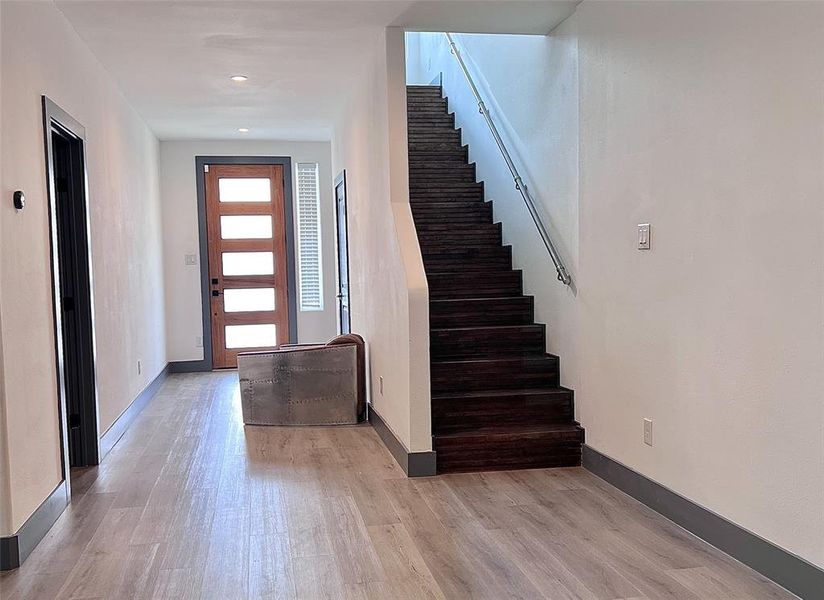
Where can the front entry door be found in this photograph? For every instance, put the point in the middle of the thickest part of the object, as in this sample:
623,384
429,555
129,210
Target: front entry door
247,260
343,254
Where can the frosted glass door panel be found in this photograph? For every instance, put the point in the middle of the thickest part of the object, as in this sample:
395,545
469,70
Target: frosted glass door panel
248,263
244,189
248,299
246,227
251,336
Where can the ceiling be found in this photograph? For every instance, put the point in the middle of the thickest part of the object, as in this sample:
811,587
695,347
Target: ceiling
173,59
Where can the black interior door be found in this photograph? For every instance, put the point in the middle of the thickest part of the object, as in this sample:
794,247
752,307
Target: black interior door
343,254
75,298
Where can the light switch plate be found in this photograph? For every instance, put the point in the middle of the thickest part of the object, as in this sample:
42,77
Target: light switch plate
648,432
190,259
643,236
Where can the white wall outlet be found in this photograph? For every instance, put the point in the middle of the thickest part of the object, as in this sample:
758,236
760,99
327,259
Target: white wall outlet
190,260
643,236
380,384
648,432
198,341
139,366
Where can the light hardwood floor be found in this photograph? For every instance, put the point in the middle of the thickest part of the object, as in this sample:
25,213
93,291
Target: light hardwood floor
190,504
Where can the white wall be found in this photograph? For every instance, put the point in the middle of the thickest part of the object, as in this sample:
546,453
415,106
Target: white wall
706,120
41,54
180,237
389,294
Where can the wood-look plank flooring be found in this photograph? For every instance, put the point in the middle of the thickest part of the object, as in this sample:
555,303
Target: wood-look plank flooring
190,504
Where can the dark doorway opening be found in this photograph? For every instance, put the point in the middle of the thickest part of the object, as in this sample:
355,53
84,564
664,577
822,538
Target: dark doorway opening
72,286
343,254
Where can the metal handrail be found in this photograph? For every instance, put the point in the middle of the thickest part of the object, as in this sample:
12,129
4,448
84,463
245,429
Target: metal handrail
563,276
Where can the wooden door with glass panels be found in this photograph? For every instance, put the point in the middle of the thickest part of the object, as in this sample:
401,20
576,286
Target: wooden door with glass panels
246,226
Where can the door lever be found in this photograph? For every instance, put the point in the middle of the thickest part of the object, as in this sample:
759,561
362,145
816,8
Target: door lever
216,292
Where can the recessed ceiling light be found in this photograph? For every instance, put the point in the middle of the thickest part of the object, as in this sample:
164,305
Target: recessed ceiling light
238,78
243,129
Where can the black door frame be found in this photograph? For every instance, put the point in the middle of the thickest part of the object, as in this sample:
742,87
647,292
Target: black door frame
59,122
201,162
340,180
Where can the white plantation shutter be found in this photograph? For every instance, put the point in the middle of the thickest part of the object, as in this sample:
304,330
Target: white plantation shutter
309,263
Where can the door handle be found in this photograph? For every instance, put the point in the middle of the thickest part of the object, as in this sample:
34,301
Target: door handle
216,292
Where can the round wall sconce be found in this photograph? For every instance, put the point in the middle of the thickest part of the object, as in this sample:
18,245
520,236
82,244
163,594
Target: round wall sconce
19,200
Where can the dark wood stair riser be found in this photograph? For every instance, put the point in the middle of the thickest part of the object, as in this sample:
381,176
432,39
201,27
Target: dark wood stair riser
463,259
495,411
479,267
434,137
444,127
457,176
467,342
421,107
471,285
432,168
502,373
446,193
444,158
433,118
439,151
418,99
462,231
482,452
449,187
466,312
432,240
451,212
422,199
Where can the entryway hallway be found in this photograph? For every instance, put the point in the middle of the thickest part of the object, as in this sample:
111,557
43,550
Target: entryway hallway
190,504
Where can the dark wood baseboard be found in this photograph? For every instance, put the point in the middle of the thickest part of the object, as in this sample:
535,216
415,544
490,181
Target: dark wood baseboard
122,423
16,548
414,464
784,568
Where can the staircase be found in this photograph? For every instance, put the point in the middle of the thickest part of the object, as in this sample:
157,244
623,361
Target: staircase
496,398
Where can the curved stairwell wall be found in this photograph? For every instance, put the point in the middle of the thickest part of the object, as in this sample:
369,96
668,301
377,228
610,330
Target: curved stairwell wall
389,294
